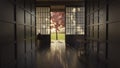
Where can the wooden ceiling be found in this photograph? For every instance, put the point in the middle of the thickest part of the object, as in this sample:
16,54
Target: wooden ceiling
60,2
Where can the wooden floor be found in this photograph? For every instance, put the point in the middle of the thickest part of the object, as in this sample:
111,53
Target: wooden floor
60,56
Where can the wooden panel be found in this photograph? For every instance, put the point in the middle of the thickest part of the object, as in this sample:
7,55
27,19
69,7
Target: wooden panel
28,45
27,4
33,20
21,63
20,48
96,32
102,51
28,18
102,32
20,32
114,33
11,54
21,54
28,32
33,44
7,56
33,57
102,16
91,48
88,31
7,12
33,32
88,20
91,19
114,10
95,4
28,60
95,17
91,7
95,47
91,32
102,3
113,55
20,16
33,8
20,3
6,32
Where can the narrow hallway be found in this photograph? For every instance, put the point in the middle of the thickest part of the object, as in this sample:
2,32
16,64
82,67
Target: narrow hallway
90,29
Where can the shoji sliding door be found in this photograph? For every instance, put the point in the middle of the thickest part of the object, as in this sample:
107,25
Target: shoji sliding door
43,24
75,23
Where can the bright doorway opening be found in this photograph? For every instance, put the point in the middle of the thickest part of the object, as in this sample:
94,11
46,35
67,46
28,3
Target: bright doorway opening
57,26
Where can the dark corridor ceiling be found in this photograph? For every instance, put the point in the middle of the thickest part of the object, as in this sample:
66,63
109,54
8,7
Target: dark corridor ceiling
59,2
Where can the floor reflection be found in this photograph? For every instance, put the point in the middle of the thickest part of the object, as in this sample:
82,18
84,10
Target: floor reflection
58,56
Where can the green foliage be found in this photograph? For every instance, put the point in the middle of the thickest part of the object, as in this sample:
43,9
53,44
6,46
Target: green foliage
60,36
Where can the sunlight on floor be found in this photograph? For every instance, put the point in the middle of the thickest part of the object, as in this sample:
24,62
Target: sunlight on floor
58,56
58,49
57,45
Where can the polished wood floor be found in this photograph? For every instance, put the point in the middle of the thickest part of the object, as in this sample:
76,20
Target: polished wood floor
60,56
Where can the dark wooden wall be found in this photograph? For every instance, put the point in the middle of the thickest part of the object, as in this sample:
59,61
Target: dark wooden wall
102,31
17,33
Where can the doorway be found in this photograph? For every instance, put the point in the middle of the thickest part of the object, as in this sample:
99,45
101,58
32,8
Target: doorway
57,26
60,23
